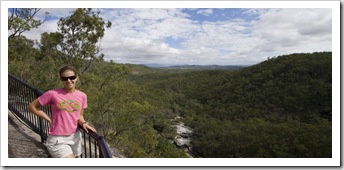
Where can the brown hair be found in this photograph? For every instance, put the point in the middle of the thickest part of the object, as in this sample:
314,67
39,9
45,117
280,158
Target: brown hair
65,68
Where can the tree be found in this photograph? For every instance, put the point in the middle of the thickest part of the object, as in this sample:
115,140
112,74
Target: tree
22,19
114,103
82,32
50,45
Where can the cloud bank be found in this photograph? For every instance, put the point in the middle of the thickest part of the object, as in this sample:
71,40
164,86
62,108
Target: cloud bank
226,36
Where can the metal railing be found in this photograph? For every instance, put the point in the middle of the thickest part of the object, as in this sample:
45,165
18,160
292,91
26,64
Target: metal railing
20,94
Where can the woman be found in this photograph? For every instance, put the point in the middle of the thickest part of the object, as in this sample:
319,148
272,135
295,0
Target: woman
67,106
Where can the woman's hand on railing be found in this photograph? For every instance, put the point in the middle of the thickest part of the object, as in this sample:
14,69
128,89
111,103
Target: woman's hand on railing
87,127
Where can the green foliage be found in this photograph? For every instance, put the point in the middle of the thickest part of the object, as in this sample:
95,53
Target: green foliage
258,138
20,48
22,19
50,43
82,32
167,150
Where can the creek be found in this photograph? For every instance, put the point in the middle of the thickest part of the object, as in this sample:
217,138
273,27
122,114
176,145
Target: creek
183,138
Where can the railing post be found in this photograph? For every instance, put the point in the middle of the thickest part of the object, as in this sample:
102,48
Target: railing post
103,146
100,138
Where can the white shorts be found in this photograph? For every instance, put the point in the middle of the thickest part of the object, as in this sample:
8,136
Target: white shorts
63,146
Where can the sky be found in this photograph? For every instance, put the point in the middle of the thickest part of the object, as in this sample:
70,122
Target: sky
205,36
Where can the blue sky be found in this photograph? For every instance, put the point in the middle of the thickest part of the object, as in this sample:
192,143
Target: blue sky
221,36
220,14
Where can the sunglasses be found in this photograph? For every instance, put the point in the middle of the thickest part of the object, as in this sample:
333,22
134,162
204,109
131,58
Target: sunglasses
66,78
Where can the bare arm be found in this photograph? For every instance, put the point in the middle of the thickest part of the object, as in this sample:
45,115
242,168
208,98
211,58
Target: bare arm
84,125
34,107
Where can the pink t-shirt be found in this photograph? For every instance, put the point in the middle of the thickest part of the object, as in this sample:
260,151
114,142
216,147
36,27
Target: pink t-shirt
66,108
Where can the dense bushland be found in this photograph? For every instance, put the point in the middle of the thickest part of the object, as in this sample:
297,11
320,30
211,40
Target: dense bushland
281,107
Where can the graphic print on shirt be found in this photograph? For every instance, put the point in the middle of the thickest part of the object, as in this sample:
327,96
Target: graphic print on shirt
69,105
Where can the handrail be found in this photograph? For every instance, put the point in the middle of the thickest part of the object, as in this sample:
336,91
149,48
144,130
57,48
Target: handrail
20,94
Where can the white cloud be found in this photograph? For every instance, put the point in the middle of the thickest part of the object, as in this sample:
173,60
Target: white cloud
138,50
150,23
47,26
205,12
50,25
294,30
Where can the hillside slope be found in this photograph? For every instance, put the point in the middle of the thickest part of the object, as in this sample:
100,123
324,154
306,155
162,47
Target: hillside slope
281,107
297,84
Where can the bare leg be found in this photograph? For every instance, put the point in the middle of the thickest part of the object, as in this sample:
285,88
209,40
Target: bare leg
71,156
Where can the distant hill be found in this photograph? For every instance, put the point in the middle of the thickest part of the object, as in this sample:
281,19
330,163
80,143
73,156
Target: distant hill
295,84
207,67
142,69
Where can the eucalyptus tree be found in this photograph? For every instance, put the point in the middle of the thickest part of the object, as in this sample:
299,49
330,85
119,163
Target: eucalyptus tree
82,32
50,44
23,19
